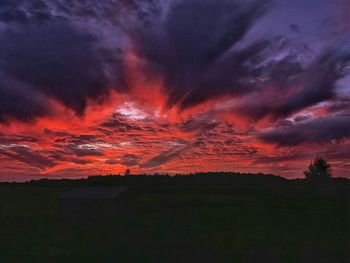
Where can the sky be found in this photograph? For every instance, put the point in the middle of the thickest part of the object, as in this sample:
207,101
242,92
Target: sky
173,86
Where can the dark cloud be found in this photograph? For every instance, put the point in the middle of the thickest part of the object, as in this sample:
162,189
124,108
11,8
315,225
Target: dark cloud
125,159
321,82
28,156
56,133
21,11
342,105
7,139
111,161
84,138
10,13
320,130
118,123
192,48
162,158
202,123
64,157
77,145
293,88
46,54
299,118
82,152
20,101
130,159
56,60
203,49
24,11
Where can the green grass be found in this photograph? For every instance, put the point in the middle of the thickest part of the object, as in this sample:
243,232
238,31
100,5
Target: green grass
180,227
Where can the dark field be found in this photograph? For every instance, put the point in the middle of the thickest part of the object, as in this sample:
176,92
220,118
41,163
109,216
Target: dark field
193,224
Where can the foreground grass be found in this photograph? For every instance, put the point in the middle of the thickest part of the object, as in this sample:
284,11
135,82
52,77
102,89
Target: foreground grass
187,226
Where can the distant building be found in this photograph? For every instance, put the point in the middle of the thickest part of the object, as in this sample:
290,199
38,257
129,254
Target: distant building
84,205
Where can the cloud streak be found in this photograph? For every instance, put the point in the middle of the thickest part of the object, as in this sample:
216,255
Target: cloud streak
319,130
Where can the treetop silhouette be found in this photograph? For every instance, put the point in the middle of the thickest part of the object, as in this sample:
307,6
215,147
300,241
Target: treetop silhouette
319,169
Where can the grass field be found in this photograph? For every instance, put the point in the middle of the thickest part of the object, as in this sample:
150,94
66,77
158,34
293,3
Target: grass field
181,226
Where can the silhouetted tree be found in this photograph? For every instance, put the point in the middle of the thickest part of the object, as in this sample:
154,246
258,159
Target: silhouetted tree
127,172
319,169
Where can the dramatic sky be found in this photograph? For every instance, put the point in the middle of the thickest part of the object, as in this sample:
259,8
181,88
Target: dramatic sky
99,86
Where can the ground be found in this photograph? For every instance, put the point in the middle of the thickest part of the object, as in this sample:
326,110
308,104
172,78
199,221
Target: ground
213,225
